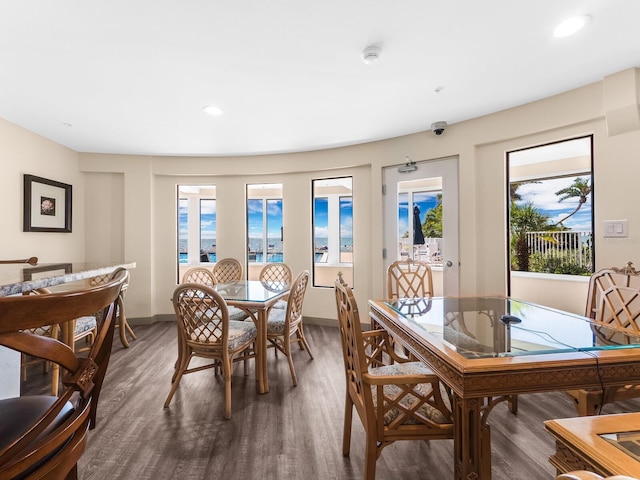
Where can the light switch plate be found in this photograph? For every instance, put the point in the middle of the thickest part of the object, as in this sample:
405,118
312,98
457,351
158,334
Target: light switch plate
615,228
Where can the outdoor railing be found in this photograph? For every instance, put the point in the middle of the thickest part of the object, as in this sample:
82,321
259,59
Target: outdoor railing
574,248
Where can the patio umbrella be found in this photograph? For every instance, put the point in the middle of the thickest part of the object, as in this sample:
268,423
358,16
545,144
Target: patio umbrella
418,237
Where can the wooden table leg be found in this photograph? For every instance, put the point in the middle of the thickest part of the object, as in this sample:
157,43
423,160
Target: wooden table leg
472,440
261,353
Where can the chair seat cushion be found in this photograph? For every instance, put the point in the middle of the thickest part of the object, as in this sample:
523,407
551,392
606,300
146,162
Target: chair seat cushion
280,305
275,321
240,333
19,413
84,324
408,368
237,314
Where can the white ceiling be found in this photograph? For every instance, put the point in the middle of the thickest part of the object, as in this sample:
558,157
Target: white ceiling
132,76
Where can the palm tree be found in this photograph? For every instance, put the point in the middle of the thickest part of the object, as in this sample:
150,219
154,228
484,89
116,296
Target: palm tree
432,225
525,218
581,189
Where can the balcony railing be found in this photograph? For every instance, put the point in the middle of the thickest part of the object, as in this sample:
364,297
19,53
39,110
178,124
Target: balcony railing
570,248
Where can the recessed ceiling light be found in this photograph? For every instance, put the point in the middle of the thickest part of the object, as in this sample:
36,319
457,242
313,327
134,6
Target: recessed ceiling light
212,110
571,26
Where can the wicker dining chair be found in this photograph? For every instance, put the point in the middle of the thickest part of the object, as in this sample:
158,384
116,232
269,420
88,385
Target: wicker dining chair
44,436
613,300
205,331
228,270
284,327
199,275
395,399
273,276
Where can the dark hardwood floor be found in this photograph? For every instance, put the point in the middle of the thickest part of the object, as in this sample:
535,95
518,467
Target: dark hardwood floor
289,433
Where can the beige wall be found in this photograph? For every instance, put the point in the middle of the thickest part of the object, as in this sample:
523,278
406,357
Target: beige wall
142,195
23,152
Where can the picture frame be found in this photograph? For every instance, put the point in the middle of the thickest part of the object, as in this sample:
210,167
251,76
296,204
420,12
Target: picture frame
47,205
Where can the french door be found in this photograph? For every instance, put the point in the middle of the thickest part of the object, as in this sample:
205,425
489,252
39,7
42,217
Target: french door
422,201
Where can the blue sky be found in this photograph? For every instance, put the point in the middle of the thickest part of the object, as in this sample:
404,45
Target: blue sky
543,196
425,201
321,218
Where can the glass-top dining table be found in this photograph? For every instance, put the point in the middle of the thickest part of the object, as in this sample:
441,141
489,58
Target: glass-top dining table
489,349
256,298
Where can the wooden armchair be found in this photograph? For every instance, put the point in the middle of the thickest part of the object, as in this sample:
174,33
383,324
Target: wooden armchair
613,300
228,270
44,436
395,399
205,331
282,325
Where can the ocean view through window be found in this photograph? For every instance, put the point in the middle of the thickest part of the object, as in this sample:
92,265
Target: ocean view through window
196,219
264,223
332,230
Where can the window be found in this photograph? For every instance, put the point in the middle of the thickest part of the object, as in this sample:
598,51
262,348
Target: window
196,224
550,208
332,230
420,220
264,223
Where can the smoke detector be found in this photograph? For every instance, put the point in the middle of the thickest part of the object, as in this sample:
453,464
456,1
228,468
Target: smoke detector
371,54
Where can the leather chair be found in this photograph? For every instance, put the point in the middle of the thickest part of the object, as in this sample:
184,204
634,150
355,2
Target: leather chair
43,436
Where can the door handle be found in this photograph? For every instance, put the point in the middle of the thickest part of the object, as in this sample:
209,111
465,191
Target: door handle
448,263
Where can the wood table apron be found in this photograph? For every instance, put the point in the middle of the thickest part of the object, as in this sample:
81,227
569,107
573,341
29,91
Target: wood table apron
259,312
479,384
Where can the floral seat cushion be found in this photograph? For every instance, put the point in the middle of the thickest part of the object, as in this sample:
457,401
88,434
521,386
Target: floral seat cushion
275,322
84,324
409,368
239,333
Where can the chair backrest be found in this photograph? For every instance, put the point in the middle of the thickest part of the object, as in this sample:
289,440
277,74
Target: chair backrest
273,275
614,300
60,429
293,315
202,316
409,279
227,270
199,275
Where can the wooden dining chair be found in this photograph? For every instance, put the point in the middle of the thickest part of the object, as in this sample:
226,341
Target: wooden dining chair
613,303
26,361
228,270
30,261
205,331
395,399
284,327
273,276
409,279
42,436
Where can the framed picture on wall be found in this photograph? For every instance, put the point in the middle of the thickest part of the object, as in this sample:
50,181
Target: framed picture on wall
47,205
